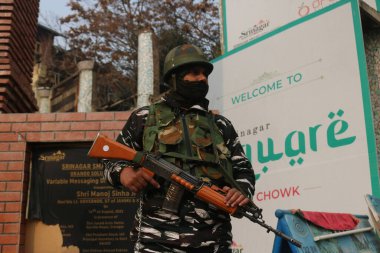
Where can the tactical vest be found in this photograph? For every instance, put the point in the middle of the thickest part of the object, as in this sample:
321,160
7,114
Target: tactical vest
191,140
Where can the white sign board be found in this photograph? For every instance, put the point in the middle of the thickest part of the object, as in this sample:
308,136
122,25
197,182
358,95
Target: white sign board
245,20
375,4
299,100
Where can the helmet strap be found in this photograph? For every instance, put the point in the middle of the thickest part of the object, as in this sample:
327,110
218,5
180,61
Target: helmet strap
174,82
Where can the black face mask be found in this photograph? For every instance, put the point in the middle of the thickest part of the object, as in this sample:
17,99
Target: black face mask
194,91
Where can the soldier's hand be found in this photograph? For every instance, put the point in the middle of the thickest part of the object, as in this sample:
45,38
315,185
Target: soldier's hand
136,180
234,197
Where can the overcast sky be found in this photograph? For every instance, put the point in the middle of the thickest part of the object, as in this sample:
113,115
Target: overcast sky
50,10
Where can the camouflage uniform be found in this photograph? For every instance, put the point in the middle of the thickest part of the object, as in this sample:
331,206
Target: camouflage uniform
196,227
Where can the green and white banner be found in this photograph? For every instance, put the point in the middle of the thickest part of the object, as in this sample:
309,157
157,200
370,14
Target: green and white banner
245,20
298,97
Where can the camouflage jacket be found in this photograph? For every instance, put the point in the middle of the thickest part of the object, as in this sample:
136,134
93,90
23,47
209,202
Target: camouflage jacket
196,224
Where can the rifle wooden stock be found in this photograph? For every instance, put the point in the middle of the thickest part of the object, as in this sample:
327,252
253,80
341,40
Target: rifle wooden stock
106,148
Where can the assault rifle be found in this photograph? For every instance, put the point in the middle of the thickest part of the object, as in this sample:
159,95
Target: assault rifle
107,148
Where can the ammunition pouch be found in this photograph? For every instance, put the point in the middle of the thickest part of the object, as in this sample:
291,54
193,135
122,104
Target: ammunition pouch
192,141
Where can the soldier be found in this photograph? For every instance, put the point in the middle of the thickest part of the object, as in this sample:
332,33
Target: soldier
182,130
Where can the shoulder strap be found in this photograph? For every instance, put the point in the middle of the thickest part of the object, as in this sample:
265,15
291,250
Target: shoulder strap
151,120
150,129
228,176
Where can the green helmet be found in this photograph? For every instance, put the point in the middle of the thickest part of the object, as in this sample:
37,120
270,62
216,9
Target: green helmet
184,55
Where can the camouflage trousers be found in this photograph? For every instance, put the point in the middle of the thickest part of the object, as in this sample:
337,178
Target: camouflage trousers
161,248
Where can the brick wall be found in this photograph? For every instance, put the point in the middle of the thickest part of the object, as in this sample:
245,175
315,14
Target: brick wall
18,27
17,132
